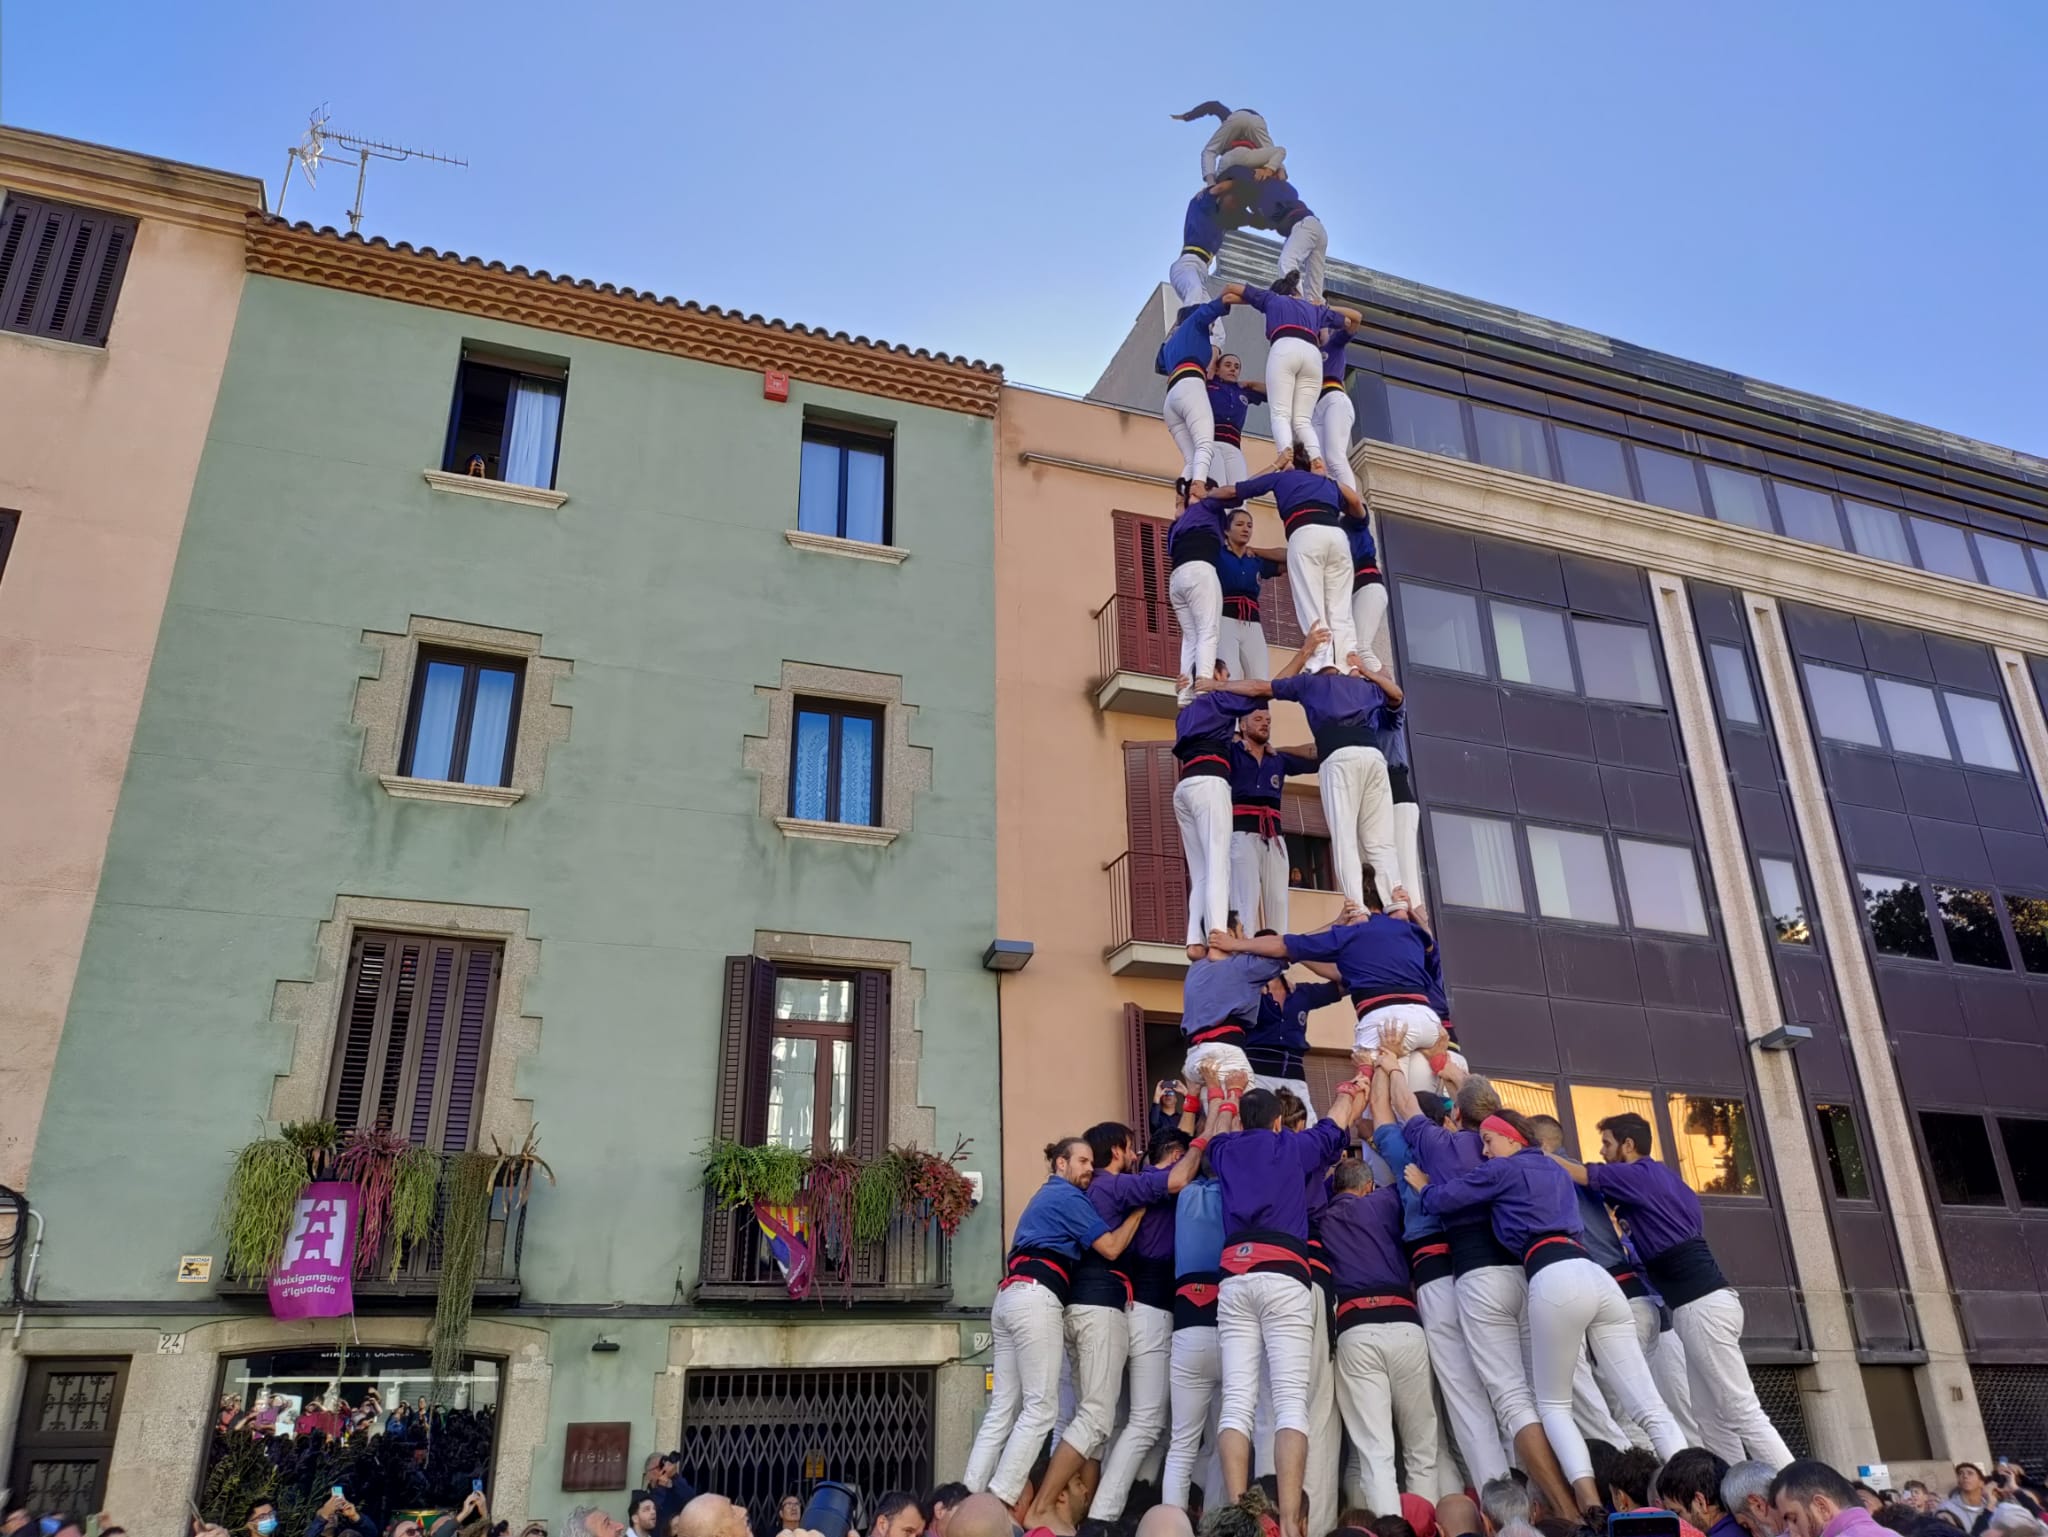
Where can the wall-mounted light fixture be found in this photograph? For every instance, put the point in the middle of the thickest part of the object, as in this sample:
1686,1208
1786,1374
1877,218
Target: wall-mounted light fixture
1006,955
1784,1038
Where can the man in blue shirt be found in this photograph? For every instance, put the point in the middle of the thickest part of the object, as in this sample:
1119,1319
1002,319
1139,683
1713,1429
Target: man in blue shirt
1278,1043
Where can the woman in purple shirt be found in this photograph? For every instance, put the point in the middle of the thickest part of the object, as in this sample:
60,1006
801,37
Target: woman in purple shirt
1318,551
1574,1305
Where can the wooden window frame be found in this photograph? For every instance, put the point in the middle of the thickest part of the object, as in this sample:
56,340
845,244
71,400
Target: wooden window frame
73,295
473,664
824,1032
837,712
31,1443
843,437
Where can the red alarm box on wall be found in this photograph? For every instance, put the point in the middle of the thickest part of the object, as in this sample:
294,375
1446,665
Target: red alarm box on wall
774,384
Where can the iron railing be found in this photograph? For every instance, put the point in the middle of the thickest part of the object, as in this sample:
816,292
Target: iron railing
912,1263
418,1270
1137,635
1148,899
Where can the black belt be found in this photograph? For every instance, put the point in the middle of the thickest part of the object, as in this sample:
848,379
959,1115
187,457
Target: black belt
1551,1249
1231,433
1265,1252
1429,1259
1194,1300
1243,610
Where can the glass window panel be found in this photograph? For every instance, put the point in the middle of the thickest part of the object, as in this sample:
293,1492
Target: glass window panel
1731,678
857,770
1897,914
2026,1154
1426,420
1508,440
842,1090
1527,1098
1588,459
489,724
867,483
1531,646
1616,663
1981,736
1572,878
1841,705
1912,718
1592,1104
1668,480
1943,548
1970,920
824,1000
433,748
1475,862
1808,514
1739,497
817,493
792,1091
2005,564
1844,1151
2040,564
811,779
1713,1147
1877,532
1959,1151
1784,905
1442,629
2030,927
1663,887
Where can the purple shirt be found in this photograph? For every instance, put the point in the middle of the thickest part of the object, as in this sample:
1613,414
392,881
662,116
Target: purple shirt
1187,344
1197,534
1259,781
1361,1234
1333,699
1276,205
1227,989
1116,1196
1382,960
1265,1176
1336,352
1293,490
1660,1210
1365,555
1154,1238
1207,724
1227,403
1303,318
1526,1196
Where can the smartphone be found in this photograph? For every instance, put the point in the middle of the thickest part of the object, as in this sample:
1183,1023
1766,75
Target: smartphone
336,1492
476,1486
1642,1523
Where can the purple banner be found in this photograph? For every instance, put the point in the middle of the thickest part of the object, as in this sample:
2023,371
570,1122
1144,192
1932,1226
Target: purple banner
312,1280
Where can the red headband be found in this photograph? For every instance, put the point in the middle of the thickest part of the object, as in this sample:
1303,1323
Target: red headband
1500,1128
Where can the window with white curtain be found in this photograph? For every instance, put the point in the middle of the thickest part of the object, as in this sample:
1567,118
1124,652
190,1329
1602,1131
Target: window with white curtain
1877,532
1663,887
1572,877
1617,662
1531,645
1442,629
1912,718
462,727
1475,862
506,423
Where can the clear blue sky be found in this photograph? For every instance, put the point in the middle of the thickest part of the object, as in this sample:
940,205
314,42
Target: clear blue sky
1843,196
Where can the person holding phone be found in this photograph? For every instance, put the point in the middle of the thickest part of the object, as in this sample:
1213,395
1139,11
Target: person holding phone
337,1514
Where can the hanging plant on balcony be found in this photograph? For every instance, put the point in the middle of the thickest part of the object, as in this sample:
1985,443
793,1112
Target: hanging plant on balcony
880,1191
318,1140
256,1208
415,1186
474,1180
934,1188
738,1175
369,1160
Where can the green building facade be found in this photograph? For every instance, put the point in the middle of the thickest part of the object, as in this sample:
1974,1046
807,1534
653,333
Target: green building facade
648,800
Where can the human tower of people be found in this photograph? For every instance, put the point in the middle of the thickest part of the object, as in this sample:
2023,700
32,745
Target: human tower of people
1249,1282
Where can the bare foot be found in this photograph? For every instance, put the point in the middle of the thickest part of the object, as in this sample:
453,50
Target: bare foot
1196,952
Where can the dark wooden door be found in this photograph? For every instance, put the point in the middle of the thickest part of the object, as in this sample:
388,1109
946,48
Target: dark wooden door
65,1438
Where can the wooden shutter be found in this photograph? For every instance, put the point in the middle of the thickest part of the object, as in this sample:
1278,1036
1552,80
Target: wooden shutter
870,1064
1138,1105
414,1037
1276,613
745,1049
8,520
61,269
1148,635
1158,871
1301,811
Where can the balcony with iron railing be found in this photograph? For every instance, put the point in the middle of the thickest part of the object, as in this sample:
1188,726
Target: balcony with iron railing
416,1272
912,1263
1148,915
1138,646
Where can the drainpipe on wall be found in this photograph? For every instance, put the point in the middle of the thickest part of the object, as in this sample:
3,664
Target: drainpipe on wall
23,1285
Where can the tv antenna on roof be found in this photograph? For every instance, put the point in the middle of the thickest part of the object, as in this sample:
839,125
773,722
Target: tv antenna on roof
310,151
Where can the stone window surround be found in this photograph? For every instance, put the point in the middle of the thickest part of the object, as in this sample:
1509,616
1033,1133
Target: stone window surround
905,769
312,1008
383,697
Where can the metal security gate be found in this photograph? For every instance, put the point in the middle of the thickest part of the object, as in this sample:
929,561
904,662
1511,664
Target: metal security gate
70,1411
1777,1389
756,1436
2014,1402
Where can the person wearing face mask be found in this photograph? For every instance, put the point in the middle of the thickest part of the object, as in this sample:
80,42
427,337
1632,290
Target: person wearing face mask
262,1520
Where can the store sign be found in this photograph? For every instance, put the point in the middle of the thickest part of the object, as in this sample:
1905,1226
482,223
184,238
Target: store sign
594,1455
313,1278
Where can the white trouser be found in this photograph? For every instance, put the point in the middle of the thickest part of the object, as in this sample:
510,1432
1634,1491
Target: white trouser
1732,1423
1197,599
1201,806
1665,1352
1099,1339
1325,1428
1493,1308
1306,248
1265,1330
1227,462
1241,644
1026,1322
1368,615
1470,1411
1334,417
1319,580
1258,880
1294,372
1197,1370
1575,1305
1408,843
1151,1342
1419,1027
1260,152
1193,426
1227,1055
1596,1421
1383,1381
1298,1087
1189,276
1359,807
